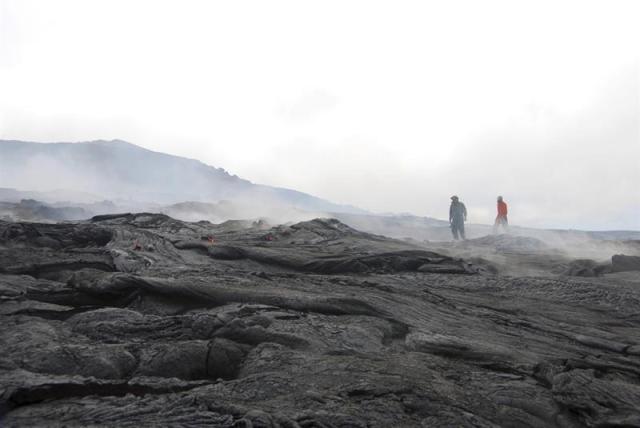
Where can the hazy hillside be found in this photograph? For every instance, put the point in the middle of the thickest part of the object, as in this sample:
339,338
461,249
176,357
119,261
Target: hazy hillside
120,170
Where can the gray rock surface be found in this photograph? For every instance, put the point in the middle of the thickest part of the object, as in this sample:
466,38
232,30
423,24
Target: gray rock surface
623,263
136,320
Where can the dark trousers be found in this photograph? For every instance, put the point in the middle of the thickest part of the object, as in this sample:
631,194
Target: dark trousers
501,221
457,228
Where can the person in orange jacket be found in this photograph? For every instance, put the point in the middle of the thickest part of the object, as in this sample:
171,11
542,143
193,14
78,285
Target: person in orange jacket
501,219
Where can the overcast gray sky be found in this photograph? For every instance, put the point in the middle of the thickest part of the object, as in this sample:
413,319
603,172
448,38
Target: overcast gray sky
390,106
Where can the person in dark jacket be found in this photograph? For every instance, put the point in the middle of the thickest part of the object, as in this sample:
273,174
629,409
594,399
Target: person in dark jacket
457,217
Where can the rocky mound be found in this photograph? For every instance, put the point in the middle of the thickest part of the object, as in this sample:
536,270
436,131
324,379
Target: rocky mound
584,267
143,320
623,263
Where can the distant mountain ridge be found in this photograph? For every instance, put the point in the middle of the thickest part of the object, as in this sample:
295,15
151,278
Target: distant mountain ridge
71,181
120,170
